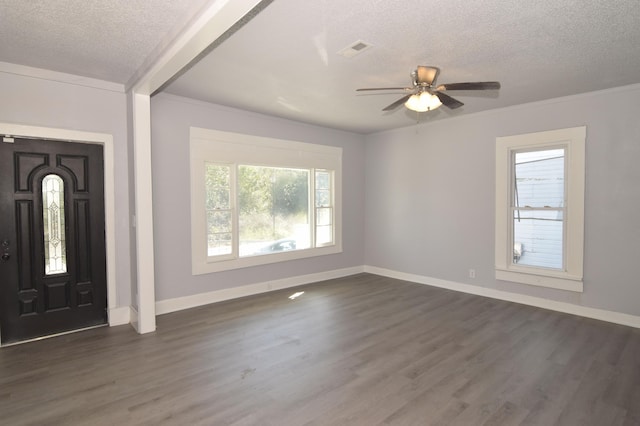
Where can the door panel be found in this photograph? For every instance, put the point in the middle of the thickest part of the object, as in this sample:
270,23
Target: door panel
66,227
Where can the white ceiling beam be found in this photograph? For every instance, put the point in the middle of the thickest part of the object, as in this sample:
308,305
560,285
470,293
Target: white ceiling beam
212,23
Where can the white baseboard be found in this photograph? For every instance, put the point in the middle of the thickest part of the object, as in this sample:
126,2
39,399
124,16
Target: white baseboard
568,308
134,319
186,302
119,316
179,303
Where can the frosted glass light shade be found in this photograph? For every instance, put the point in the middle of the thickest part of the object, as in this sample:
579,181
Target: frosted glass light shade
423,102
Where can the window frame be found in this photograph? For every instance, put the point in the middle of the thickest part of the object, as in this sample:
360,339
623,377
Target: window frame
213,146
570,277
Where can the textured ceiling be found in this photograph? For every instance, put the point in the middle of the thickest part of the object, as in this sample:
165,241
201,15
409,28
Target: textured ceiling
284,62
103,39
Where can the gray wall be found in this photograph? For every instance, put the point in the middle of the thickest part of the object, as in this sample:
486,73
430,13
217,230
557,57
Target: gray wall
429,189
430,196
39,102
171,118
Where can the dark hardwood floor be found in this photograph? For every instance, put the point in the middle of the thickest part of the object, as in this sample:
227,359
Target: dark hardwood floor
361,350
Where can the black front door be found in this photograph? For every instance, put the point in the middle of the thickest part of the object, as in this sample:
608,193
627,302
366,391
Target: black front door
52,240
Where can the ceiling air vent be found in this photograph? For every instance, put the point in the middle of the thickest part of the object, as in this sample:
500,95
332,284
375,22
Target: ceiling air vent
354,49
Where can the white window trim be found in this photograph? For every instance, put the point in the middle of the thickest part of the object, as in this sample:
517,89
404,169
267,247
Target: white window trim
214,146
573,140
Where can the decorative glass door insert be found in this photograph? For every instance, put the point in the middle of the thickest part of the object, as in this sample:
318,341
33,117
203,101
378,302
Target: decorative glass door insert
55,254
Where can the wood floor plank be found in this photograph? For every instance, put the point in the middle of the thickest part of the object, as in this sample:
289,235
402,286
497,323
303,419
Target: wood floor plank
360,350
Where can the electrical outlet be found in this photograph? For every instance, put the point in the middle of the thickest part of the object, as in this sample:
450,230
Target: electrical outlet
472,273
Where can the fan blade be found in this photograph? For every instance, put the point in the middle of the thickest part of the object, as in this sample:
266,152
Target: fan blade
382,88
397,103
481,85
448,101
427,75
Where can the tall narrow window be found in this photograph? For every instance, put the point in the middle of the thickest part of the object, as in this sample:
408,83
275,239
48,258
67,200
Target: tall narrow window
218,206
540,208
324,208
55,254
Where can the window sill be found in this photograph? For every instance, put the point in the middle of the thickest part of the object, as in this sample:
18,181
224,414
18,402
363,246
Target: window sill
556,281
213,265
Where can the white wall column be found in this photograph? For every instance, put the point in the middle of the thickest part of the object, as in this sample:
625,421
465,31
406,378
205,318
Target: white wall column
146,312
212,23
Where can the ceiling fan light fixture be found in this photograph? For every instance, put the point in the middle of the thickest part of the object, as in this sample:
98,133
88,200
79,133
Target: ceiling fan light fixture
423,102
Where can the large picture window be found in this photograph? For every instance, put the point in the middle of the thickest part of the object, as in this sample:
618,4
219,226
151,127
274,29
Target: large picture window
259,200
540,208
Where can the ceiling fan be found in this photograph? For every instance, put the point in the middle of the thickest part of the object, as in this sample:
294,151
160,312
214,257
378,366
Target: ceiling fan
426,96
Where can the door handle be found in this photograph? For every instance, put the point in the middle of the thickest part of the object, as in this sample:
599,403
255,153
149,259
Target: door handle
6,256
